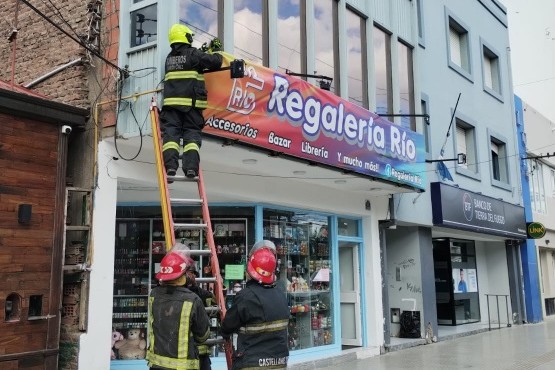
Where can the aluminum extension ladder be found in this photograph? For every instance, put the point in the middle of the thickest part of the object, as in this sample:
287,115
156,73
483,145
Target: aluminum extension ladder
170,227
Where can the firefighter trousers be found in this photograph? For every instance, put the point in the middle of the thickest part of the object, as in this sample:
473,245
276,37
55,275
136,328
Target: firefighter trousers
177,124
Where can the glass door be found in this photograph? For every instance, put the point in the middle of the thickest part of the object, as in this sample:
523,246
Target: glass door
349,282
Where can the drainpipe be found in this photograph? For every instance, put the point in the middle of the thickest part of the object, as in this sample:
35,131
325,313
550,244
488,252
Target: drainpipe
53,72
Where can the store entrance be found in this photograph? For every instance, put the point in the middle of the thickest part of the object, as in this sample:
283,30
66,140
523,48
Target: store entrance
456,279
349,279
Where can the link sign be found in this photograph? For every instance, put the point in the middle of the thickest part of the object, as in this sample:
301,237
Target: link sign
535,230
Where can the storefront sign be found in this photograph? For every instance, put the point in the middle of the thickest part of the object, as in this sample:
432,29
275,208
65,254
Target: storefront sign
288,115
463,209
535,230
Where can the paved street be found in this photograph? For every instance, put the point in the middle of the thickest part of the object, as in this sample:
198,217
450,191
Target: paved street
521,347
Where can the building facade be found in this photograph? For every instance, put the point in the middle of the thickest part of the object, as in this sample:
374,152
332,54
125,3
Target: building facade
453,253
540,179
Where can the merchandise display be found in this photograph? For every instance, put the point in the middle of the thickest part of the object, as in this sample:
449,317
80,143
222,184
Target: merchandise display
304,273
140,247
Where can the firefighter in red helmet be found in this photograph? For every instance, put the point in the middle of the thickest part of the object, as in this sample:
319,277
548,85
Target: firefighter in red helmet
259,315
177,319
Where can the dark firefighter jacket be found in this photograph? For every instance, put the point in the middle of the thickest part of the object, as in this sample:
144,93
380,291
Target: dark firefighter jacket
177,320
260,315
184,80
208,299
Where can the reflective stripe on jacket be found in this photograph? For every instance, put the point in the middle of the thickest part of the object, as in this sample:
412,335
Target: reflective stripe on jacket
184,79
172,307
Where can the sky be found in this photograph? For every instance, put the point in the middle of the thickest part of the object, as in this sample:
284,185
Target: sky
532,40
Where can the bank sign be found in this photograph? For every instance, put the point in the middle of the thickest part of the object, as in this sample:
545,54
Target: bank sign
288,115
462,209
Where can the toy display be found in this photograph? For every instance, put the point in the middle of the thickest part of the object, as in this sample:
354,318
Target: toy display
133,347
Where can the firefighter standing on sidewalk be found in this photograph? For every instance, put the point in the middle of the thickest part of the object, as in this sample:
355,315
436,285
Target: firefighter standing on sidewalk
177,319
185,97
259,314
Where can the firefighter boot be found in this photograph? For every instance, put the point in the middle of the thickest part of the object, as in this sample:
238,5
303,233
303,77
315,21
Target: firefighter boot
191,160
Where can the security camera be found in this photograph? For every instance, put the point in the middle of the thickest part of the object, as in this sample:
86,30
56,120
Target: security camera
66,129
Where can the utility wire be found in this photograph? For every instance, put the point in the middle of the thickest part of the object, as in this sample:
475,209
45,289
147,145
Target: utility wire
92,51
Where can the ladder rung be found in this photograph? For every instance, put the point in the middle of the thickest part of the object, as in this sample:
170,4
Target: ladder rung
183,178
77,228
200,252
183,201
212,341
189,226
205,280
212,309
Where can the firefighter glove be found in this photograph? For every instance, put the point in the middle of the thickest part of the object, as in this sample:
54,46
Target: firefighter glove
216,44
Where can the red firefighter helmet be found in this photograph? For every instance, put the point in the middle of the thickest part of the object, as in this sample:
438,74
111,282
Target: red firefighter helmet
262,266
263,244
175,263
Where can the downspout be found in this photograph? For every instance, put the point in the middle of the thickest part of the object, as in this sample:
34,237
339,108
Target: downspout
13,38
53,72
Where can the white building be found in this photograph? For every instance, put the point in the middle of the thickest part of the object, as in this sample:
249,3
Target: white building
540,141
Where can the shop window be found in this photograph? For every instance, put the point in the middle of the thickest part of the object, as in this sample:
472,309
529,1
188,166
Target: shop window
304,272
458,45
144,25
356,59
201,18
292,43
250,31
140,247
326,44
406,86
382,71
457,288
12,307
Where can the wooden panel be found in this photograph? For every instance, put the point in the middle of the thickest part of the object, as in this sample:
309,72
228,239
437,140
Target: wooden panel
30,174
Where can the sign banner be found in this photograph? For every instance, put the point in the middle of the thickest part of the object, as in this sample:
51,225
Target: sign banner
463,209
288,115
535,230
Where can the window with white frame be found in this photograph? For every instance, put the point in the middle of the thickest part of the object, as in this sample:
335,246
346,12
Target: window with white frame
357,72
382,71
499,160
406,86
537,187
144,25
466,144
202,19
250,30
491,70
459,52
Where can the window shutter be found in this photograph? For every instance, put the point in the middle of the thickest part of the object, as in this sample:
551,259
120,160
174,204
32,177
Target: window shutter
494,148
455,46
488,80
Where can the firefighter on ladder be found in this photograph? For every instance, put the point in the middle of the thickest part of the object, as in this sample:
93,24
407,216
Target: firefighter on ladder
177,320
185,97
259,314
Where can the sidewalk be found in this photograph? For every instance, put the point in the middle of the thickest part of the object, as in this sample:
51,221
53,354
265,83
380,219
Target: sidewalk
521,347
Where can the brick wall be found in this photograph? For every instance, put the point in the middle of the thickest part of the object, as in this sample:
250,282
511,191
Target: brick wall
40,47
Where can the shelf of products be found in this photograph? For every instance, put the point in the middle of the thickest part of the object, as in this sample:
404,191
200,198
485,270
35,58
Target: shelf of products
140,247
131,275
304,273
